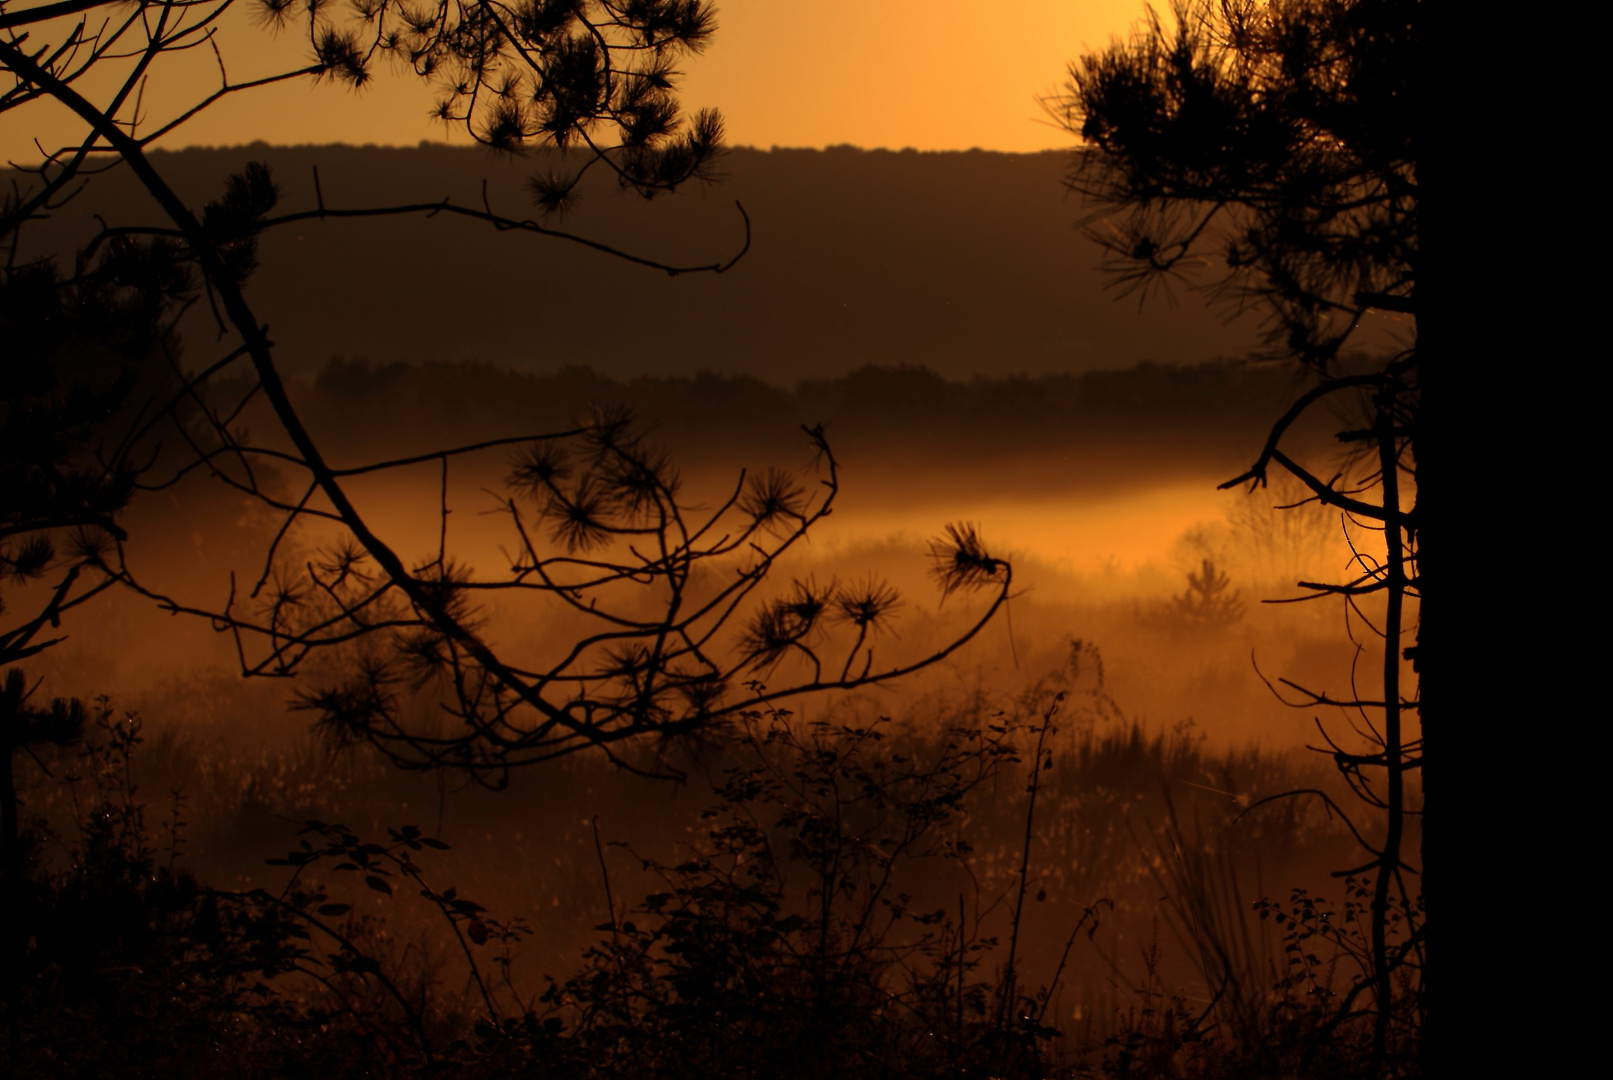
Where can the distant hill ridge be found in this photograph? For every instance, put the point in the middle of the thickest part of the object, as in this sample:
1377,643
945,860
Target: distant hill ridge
966,263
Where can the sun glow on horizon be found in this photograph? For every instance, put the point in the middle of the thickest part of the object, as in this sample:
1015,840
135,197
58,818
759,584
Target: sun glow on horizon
896,74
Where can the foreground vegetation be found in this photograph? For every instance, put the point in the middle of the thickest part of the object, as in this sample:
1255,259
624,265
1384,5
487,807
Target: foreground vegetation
1044,889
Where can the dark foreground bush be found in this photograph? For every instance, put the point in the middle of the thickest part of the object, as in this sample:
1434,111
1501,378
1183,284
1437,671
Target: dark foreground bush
828,919
119,962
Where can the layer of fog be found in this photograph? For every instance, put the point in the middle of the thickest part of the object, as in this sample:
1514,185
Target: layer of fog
1100,553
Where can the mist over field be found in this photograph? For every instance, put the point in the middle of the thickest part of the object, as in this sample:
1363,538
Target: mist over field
1100,488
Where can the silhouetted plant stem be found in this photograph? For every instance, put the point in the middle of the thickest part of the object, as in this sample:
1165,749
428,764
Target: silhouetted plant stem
1009,988
624,983
1088,913
604,877
408,867
958,1041
1389,865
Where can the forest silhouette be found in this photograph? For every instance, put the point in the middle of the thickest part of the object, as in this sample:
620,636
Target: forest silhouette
544,701
1093,432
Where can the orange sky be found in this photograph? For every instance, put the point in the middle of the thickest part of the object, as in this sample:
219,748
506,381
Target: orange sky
930,74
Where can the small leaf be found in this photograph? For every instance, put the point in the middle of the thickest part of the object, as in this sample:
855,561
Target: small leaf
378,884
476,930
335,909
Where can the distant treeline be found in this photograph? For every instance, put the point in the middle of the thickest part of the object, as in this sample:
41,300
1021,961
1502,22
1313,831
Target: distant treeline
1091,430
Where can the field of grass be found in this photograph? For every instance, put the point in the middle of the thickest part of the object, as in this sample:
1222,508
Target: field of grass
831,891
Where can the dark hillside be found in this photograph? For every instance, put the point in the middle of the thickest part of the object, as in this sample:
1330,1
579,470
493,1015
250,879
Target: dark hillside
967,263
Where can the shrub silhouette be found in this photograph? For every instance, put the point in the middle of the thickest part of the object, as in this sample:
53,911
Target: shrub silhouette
127,965
1209,604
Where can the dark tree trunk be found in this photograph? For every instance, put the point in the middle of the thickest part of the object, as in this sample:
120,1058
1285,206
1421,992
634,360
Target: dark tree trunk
1452,728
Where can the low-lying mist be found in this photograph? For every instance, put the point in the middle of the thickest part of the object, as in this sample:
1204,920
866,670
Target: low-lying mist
1136,632
1101,490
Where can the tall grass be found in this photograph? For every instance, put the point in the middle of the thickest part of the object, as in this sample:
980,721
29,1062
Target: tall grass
849,895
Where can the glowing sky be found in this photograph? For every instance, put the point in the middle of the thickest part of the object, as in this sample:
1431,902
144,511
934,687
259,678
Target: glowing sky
929,74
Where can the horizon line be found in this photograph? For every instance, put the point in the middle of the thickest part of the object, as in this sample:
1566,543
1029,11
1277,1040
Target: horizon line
432,144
